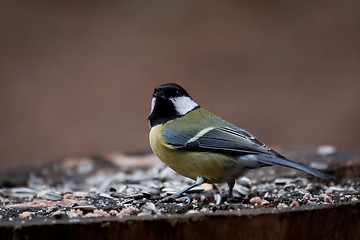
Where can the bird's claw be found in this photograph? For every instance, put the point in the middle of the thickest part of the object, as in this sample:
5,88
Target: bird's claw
185,199
163,200
174,197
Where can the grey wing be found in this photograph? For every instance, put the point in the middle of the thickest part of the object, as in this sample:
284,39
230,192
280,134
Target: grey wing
235,141
218,139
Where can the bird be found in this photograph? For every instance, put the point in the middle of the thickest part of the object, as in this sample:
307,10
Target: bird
202,146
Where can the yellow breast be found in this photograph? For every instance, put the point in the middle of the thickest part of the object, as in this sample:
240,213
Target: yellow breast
214,166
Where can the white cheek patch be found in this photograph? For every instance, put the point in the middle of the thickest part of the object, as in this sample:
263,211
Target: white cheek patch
153,100
183,105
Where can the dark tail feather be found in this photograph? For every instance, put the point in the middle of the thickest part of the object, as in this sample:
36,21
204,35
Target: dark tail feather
273,160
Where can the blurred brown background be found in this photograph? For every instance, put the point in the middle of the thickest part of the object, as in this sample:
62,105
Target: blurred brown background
77,77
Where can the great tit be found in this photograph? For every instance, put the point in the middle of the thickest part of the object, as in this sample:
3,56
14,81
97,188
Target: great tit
200,145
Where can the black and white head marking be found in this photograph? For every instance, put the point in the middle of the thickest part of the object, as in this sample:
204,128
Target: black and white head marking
183,104
169,102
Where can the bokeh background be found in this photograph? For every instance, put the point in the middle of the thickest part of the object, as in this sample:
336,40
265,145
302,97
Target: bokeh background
76,77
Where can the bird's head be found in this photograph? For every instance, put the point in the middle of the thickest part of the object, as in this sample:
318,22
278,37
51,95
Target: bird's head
169,102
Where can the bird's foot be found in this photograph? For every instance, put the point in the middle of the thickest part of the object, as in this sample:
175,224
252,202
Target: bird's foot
174,197
200,180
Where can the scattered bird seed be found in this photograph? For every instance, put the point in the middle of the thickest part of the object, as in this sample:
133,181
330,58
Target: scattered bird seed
255,201
92,191
192,212
282,205
49,195
294,204
337,188
289,187
326,150
85,208
319,165
25,214
81,194
217,198
105,195
150,208
283,181
243,188
59,214
23,192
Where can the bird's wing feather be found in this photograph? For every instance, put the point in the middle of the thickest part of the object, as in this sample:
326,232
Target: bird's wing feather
274,160
233,141
218,139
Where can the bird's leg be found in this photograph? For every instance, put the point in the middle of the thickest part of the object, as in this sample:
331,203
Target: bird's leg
200,180
231,186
